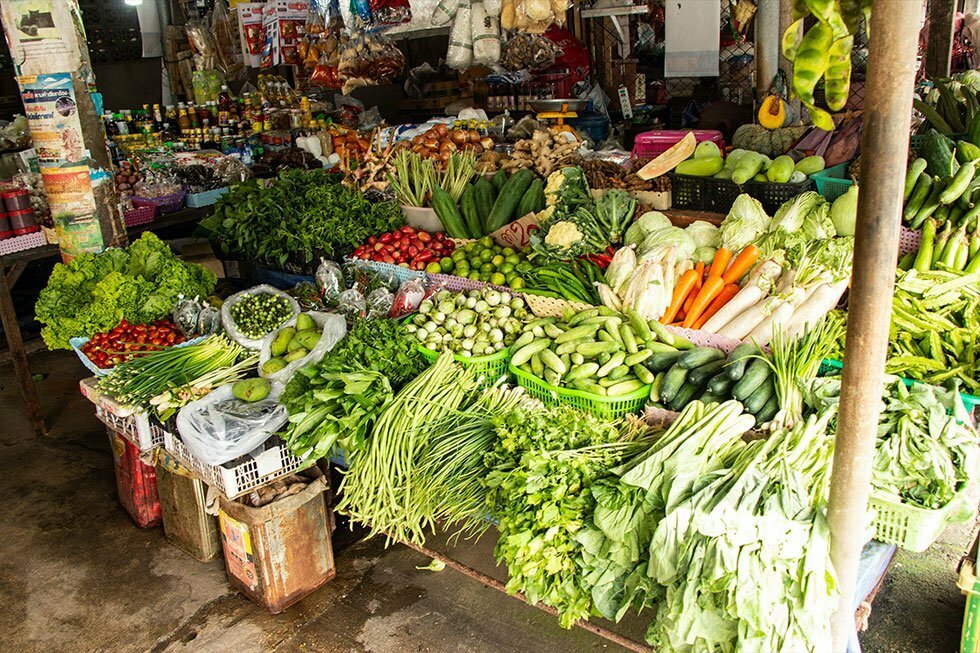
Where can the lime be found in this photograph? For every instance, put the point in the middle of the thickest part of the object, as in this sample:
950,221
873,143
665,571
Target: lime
486,256
462,269
459,255
447,264
516,283
474,275
488,268
484,277
469,247
506,269
508,251
433,268
498,279
486,241
513,259
497,260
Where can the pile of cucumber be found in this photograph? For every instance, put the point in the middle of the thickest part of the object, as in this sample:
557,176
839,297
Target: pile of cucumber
705,374
489,204
596,350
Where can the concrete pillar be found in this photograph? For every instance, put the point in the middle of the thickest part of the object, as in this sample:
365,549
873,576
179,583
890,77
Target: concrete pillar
767,37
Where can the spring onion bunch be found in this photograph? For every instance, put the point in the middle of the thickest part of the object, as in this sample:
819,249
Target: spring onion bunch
135,382
173,399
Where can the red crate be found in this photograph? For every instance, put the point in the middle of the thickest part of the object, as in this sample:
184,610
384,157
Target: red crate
136,482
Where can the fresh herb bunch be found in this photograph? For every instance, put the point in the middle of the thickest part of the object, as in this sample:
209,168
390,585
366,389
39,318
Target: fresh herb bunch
258,314
298,217
382,346
95,292
540,470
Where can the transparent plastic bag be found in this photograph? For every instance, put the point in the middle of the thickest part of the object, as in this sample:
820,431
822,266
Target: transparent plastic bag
218,427
330,279
185,315
228,322
332,327
369,59
379,302
226,40
352,304
408,297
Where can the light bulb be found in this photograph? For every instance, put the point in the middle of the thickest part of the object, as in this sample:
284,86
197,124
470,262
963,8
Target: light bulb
133,3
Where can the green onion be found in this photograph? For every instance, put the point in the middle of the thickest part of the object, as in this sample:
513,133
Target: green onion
413,178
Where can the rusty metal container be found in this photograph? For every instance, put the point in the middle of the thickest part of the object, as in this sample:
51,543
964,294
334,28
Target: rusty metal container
183,502
281,552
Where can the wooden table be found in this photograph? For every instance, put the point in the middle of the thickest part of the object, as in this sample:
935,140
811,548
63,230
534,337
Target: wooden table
13,265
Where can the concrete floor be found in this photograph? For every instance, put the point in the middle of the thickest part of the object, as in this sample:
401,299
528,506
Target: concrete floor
76,574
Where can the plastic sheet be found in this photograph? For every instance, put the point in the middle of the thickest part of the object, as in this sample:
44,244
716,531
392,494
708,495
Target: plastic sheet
333,328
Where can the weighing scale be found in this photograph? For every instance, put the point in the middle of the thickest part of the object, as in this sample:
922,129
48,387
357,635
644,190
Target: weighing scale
558,110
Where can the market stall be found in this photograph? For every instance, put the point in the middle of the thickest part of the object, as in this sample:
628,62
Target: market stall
623,369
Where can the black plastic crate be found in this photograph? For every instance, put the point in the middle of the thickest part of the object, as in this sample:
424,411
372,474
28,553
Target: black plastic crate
702,193
773,195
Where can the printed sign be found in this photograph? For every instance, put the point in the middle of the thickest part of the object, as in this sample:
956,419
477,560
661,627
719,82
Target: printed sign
239,557
36,42
72,202
518,233
52,112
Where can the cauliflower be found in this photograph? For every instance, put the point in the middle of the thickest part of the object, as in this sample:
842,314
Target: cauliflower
545,213
563,234
551,191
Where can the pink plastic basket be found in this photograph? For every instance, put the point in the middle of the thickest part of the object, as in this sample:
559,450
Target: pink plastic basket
140,216
164,204
908,240
653,143
20,243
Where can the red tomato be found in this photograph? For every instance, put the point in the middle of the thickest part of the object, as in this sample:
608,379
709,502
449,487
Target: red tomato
387,258
372,240
408,229
386,238
424,236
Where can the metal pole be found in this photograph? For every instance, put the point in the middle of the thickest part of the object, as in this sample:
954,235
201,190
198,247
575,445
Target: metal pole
767,37
884,152
939,52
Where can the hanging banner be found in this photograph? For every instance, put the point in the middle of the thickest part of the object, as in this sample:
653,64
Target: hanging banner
51,110
36,35
72,202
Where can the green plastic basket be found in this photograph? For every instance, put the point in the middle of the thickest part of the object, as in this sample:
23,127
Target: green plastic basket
969,584
915,529
829,366
832,182
492,367
603,407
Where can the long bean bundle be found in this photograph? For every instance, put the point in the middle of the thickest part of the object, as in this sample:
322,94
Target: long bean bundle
380,488
135,382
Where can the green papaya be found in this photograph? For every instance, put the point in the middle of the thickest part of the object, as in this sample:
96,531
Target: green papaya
781,170
810,165
700,167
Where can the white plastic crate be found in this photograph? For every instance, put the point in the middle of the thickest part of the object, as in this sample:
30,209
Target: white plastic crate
243,474
135,427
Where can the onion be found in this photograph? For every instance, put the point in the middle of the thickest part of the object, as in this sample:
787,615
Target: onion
418,140
474,136
442,129
447,146
431,133
431,144
459,136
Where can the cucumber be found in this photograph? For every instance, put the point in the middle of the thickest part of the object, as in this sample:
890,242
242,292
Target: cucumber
498,180
663,335
660,362
552,377
757,374
526,338
629,340
624,387
711,398
553,330
768,411
660,348
577,358
638,357
591,349
614,361
484,195
566,360
524,354
585,370
551,359
684,396
471,217
537,367
592,388
699,356
613,332
581,316
739,359
701,375
569,347
533,199
510,195
658,382
673,381
721,384
619,372
758,399
643,374
445,209
640,326
578,332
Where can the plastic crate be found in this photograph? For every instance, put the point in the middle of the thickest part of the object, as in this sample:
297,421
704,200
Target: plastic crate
915,529
655,143
142,432
164,204
206,198
829,366
603,407
832,182
551,306
140,216
702,193
492,367
772,196
20,243
243,474
400,273
970,586
77,343
908,240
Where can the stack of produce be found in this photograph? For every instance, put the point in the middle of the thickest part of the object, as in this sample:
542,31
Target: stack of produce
595,350
474,323
948,250
742,166
486,205
484,260
292,344
543,152
95,292
128,341
257,314
575,281
942,182
409,247
951,106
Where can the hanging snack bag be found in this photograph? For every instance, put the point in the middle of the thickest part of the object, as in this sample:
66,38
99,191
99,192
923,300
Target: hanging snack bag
460,53
486,34
390,12
369,60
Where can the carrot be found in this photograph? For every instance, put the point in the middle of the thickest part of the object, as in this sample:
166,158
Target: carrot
681,291
720,263
729,291
745,259
686,307
713,285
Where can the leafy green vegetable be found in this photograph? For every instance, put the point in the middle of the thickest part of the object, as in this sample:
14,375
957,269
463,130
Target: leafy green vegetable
298,217
94,292
745,222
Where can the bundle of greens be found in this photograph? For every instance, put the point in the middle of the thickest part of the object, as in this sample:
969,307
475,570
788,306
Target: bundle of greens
628,506
744,556
927,446
569,227
95,292
541,467
297,218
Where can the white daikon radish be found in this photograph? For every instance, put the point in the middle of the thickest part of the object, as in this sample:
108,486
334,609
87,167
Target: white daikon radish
820,302
762,334
750,318
743,299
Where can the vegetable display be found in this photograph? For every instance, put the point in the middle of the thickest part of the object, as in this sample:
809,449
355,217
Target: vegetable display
257,314
484,260
127,341
475,323
406,246
95,292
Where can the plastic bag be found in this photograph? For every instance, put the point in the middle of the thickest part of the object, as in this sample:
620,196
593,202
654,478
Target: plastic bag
228,322
332,329
219,428
390,12
379,303
330,280
227,41
528,51
369,59
408,297
486,34
460,52
352,304
444,12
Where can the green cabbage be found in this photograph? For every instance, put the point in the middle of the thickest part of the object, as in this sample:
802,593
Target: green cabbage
643,226
745,222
